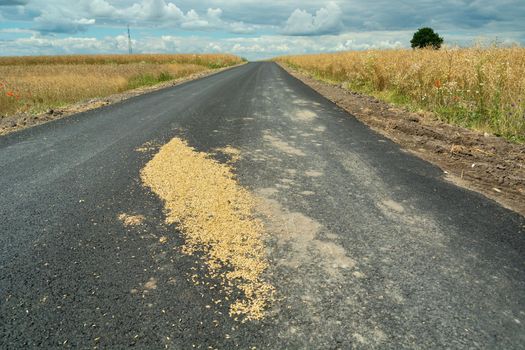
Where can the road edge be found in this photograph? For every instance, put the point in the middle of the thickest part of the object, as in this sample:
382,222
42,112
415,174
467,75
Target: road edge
26,121
509,198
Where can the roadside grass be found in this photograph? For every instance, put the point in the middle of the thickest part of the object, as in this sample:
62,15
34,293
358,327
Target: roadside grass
482,88
35,84
206,60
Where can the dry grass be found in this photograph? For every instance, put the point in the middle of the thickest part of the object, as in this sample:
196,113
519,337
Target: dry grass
480,87
215,215
207,60
34,84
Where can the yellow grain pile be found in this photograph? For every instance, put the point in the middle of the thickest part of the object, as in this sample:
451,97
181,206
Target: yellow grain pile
215,214
131,220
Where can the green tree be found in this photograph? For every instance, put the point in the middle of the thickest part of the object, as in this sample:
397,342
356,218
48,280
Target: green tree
426,37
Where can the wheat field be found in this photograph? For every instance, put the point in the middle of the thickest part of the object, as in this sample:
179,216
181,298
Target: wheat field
34,84
480,87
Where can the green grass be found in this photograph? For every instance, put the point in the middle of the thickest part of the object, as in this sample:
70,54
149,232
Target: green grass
479,119
148,79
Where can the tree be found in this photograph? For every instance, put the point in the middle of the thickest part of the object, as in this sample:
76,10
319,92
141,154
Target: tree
426,37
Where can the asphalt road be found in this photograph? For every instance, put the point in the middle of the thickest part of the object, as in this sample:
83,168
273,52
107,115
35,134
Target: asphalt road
370,247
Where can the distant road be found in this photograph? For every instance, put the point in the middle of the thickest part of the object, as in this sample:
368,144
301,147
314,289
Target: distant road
370,247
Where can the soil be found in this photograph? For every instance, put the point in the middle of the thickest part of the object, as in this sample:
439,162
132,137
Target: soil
12,123
478,161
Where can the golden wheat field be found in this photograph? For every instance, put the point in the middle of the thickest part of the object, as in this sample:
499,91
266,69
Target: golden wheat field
34,84
479,87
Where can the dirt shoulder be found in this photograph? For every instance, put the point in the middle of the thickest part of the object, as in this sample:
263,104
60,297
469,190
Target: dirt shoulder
480,162
9,124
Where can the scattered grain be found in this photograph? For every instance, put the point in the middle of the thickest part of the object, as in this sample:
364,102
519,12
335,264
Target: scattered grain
131,220
215,215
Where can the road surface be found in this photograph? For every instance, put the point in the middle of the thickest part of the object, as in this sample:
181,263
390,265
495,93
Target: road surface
370,247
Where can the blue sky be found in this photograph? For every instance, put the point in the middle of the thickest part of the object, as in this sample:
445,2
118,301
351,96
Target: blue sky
254,29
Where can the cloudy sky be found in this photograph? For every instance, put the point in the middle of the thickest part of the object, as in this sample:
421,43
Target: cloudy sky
254,29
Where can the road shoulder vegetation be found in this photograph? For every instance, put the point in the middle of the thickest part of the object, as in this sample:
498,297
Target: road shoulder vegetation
480,88
479,161
36,90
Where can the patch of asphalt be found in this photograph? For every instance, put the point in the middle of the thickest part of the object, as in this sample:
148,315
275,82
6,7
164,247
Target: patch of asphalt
370,247
373,248
71,273
478,161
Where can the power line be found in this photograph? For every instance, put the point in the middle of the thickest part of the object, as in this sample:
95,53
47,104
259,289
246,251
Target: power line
130,49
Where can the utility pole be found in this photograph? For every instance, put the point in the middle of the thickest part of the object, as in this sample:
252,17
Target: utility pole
130,49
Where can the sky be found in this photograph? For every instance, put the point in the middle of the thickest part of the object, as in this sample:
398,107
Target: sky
252,29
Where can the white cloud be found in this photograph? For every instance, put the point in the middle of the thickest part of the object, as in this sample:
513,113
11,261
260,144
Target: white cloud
161,13
101,8
327,20
255,47
350,45
152,10
85,21
61,21
262,28
192,20
214,13
17,31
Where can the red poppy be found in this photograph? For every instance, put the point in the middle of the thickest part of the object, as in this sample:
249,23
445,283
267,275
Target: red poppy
437,83
10,93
